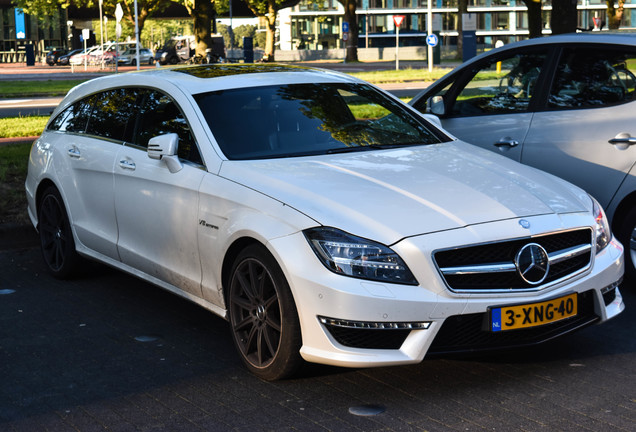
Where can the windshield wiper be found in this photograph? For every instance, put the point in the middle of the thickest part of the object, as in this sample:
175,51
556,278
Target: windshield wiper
367,147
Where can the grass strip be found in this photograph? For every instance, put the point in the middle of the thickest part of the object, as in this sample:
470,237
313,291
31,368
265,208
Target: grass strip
13,169
37,88
399,76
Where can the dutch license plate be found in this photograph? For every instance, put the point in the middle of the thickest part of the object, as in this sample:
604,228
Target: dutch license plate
533,314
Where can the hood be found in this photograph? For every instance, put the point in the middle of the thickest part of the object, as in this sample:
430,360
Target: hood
386,195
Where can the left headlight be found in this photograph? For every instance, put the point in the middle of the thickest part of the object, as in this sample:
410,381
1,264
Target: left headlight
357,257
603,233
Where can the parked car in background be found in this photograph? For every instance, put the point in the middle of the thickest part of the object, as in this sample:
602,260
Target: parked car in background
64,60
129,57
83,56
325,219
53,55
564,104
182,49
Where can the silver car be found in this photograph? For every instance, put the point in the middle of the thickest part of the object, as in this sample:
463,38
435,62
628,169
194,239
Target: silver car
564,104
129,57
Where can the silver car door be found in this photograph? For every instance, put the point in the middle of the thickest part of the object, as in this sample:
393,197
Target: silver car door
584,136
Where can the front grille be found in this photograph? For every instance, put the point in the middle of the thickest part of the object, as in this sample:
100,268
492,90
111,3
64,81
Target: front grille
468,333
491,267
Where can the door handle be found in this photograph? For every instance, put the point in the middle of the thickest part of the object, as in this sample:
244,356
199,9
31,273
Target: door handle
74,152
127,164
622,141
506,143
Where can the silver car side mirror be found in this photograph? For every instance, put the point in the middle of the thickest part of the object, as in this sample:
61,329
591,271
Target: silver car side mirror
164,147
435,105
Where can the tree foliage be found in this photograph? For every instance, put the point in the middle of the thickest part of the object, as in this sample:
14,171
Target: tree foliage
615,13
269,9
239,33
145,8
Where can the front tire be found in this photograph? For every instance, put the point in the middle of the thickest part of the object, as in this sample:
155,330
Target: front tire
56,236
626,234
263,317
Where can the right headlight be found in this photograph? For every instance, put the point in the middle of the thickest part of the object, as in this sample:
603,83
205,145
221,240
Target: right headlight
357,257
603,233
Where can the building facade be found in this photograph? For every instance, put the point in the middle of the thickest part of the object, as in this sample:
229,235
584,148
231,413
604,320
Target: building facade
317,24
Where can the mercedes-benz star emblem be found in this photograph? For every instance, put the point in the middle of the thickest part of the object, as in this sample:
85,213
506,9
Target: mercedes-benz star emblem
532,263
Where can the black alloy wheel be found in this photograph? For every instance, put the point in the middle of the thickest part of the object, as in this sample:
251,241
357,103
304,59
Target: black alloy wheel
263,317
56,236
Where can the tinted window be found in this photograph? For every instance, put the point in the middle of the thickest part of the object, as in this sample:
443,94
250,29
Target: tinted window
113,114
504,85
589,77
160,115
74,118
304,119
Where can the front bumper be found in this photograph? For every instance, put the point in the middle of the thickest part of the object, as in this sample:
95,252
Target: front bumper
344,320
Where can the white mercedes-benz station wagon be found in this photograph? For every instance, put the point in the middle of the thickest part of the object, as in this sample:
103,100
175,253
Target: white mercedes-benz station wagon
325,219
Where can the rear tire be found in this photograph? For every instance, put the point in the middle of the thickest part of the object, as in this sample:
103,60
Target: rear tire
56,236
626,234
263,318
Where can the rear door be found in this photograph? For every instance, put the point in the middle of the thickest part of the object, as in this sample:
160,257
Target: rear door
93,132
591,102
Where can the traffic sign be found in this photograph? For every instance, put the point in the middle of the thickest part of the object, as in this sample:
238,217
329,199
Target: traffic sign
345,27
397,19
432,40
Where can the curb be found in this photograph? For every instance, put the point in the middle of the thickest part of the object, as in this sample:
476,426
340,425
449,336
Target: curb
17,236
17,140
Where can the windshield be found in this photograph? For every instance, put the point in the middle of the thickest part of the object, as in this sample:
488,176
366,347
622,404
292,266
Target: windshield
308,119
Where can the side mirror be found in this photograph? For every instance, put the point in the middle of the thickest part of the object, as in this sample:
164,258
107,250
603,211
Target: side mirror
433,119
435,105
164,147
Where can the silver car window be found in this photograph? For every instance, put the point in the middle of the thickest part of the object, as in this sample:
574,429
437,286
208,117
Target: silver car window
594,77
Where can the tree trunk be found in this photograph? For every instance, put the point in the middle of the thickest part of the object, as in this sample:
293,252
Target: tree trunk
614,14
564,16
202,13
351,44
535,21
462,5
270,41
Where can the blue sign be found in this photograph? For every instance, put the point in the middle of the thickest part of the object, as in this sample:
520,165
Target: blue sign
20,28
345,27
432,40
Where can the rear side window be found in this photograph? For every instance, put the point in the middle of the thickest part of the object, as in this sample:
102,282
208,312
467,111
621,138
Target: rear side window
113,114
589,77
74,118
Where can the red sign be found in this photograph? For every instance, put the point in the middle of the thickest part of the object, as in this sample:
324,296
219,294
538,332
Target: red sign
397,19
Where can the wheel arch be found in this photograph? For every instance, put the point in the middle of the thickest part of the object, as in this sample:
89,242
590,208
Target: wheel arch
44,185
627,203
228,261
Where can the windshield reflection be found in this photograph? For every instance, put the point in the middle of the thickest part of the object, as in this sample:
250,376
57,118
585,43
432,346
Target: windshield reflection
308,119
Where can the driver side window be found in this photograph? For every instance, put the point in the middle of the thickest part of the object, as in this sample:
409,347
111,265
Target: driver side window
500,87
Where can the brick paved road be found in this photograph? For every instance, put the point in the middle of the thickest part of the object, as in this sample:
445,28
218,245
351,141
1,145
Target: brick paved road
107,352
